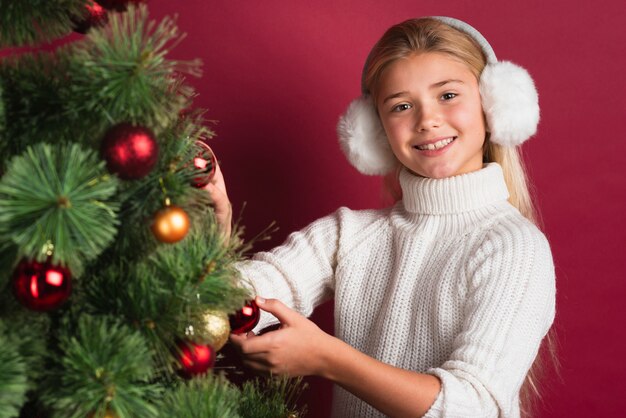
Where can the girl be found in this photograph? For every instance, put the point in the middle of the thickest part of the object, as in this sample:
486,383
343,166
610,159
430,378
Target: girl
441,301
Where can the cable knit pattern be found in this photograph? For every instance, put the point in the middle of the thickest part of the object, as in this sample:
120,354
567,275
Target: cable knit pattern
451,281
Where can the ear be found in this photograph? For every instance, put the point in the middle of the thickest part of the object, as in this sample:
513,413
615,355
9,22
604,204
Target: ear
510,103
363,140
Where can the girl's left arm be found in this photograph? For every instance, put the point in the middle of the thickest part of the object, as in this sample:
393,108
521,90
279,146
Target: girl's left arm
395,392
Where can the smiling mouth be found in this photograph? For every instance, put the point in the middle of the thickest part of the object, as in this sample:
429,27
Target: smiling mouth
436,145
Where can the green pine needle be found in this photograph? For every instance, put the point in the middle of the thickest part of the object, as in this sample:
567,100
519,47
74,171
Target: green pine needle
122,74
35,90
13,378
24,330
209,397
59,196
105,366
30,21
271,397
8,254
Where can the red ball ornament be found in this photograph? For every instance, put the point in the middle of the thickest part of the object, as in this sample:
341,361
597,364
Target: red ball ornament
170,224
206,164
245,319
195,359
95,16
130,151
41,286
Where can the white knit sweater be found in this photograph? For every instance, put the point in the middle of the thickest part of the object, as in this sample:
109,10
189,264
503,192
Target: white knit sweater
451,281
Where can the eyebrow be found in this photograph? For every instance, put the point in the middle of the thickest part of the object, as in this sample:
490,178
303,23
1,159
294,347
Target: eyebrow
432,86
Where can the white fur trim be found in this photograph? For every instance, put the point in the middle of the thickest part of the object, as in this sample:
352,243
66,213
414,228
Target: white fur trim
510,102
363,140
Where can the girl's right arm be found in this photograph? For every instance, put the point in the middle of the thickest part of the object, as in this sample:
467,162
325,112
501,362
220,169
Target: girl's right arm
299,272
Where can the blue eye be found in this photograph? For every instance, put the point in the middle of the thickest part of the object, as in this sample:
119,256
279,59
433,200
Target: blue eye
401,107
448,96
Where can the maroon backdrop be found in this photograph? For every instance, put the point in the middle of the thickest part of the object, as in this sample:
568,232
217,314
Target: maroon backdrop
278,74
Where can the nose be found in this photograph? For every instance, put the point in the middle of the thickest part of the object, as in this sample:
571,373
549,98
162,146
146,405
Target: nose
427,118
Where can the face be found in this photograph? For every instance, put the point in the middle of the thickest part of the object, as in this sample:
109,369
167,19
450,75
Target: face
430,107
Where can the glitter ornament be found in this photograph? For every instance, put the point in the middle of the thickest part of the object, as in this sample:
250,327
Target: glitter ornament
245,319
195,359
217,328
205,163
95,16
41,286
170,224
130,151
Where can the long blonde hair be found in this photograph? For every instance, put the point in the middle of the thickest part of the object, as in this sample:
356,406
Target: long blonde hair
431,35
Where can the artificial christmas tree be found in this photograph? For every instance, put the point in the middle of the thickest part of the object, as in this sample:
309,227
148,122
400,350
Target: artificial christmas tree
115,283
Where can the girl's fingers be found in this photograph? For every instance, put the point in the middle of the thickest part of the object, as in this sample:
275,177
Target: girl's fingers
218,180
219,198
285,315
249,346
221,203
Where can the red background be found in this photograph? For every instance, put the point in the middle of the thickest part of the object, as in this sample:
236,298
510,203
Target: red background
277,75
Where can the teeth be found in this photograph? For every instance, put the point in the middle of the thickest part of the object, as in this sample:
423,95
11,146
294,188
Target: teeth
436,145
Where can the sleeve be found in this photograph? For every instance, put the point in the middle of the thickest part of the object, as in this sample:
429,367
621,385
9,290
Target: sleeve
510,306
300,272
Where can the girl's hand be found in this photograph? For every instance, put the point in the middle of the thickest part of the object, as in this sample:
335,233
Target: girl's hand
298,348
221,204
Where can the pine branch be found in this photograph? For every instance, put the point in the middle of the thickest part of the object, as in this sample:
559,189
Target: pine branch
121,72
203,262
58,196
22,351
147,301
272,397
170,290
13,378
8,255
106,366
31,21
35,89
171,178
210,397
117,73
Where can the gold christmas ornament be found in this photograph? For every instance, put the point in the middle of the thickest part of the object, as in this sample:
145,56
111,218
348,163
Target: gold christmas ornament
217,328
170,224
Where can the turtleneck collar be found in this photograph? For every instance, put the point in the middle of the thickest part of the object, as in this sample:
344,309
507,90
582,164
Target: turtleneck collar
455,194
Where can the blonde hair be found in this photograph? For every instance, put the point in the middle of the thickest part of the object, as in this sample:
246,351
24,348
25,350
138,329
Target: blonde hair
431,35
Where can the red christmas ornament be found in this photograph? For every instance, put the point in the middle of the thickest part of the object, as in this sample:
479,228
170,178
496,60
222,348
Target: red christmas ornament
205,163
195,359
245,319
95,16
118,5
130,151
41,286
